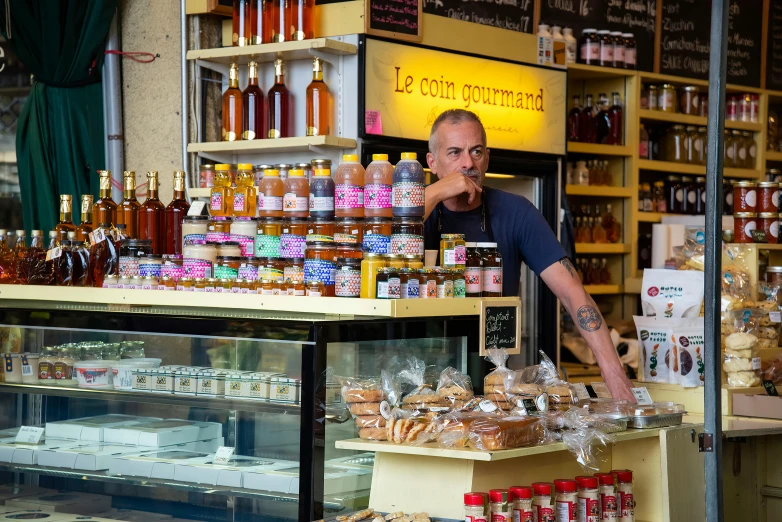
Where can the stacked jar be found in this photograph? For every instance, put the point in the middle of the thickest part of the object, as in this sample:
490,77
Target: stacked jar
745,214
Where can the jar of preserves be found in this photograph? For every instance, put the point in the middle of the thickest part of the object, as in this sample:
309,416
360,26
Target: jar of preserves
150,265
394,284
407,236
370,265
675,144
46,364
731,107
727,193
229,248
199,259
381,283
320,265
206,175
768,197
243,231
768,222
293,238
227,267
773,275
752,149
377,235
322,195
267,237
666,98
135,283
472,271
565,499
653,94
431,283
248,268
273,269
407,191
67,355
500,506
674,195
491,266
267,287
705,145
218,229
414,262
194,229
349,230
199,284
444,279
293,270
691,144
690,100
320,230
730,150
658,197
166,283
408,278
740,146
459,284
130,253
347,281
743,225
110,281
589,47
745,196
297,289
349,251
453,250
630,50
704,105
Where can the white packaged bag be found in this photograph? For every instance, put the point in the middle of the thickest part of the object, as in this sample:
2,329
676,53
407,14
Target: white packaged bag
671,294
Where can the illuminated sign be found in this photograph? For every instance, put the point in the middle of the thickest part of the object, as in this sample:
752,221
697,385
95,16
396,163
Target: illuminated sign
406,88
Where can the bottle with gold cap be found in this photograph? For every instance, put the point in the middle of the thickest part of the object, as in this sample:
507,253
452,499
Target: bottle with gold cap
270,194
280,20
127,211
175,214
245,193
318,102
221,200
295,201
349,188
301,19
232,107
151,216
252,106
378,179
104,210
65,224
278,101
86,225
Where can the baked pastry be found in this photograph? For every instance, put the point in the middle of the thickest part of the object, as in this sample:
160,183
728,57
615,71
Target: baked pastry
736,364
358,395
496,377
430,398
560,397
370,421
526,391
496,397
395,515
372,433
490,432
365,408
455,391
743,379
740,341
741,354
494,388
768,332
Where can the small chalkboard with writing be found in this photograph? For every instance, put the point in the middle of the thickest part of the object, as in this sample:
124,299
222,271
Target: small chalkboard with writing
514,15
774,46
397,19
500,325
744,43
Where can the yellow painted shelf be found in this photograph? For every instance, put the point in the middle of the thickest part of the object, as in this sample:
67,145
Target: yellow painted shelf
654,217
199,192
633,285
672,117
666,78
579,71
604,289
297,50
742,173
669,166
602,248
772,155
598,191
297,144
576,147
744,125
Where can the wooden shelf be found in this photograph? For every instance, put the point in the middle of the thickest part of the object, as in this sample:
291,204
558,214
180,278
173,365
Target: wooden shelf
604,289
297,144
744,125
298,50
199,192
760,246
772,155
578,71
598,191
633,285
602,248
657,217
665,78
742,173
669,166
576,147
672,117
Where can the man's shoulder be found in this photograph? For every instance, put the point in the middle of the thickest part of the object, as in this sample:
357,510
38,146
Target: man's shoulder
507,201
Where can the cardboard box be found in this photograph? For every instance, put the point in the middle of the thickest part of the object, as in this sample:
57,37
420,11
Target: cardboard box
165,432
764,406
204,471
90,428
88,457
64,502
15,453
153,464
335,480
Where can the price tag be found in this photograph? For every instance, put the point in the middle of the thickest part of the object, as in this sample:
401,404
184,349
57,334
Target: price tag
29,435
642,396
54,253
775,317
97,236
27,370
581,391
601,390
756,363
770,388
223,455
196,208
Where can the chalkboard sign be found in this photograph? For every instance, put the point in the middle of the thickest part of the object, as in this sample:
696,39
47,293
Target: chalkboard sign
501,324
745,28
774,43
629,16
514,15
398,19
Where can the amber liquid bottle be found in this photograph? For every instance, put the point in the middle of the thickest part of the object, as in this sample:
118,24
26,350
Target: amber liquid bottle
232,107
66,217
85,227
175,213
151,216
318,103
127,212
105,210
242,22
280,20
104,256
263,23
33,269
279,104
301,19
252,106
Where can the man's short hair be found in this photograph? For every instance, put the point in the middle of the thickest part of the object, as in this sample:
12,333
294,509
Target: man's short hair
453,117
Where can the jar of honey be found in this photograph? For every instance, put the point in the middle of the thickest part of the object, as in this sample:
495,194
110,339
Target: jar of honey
395,261
768,222
294,270
410,283
459,284
227,267
166,283
319,229
444,283
349,230
377,235
296,288
348,277
350,251
407,236
453,251
267,238
199,284
369,270
315,289
185,284
274,269
320,265
431,284
267,287
223,286
415,262
248,268
218,229
229,248
743,225
293,239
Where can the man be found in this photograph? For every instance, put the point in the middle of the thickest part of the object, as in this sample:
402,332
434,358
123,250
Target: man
459,203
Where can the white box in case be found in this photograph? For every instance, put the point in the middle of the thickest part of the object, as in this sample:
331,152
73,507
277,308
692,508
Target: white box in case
153,464
335,480
7,492
15,453
92,457
64,502
204,471
165,432
90,428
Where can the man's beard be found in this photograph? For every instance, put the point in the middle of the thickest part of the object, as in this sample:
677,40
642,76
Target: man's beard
474,174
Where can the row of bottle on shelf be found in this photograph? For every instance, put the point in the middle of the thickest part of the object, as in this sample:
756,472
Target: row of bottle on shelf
593,271
243,111
601,123
596,228
592,172
688,144
596,47
257,22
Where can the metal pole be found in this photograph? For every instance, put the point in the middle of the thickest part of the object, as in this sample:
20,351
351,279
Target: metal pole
185,91
112,110
711,439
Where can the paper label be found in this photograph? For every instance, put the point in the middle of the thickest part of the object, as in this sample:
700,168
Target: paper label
608,507
771,390
626,505
97,236
223,455
756,363
54,253
29,435
642,396
348,196
377,196
775,317
269,202
293,203
581,391
385,410
321,203
588,510
26,368
566,511
196,208
373,124
487,406
492,279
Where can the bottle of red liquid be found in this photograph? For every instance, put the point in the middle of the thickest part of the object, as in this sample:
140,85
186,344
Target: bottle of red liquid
615,116
587,123
151,216
175,213
574,120
603,121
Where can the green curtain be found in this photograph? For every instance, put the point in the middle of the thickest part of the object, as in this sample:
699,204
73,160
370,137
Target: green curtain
60,135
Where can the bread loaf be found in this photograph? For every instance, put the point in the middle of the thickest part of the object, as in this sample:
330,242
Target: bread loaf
358,395
372,433
370,421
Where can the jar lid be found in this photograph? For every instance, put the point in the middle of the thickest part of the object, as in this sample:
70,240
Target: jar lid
283,166
746,134
352,158
691,88
304,166
474,499
373,255
321,162
229,243
745,215
766,184
624,475
589,31
486,245
348,261
196,218
686,178
668,86
603,31
245,218
206,166
222,166
541,488
413,257
700,179
154,257
678,126
674,178
245,166
565,485
377,220
409,156
451,236
652,87
263,166
498,495
767,215
520,492
774,269
379,157
774,171
274,173
586,482
149,278
605,479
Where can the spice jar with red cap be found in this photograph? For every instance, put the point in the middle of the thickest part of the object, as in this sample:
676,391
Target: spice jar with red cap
475,507
743,225
588,499
565,498
607,489
745,196
542,505
521,497
624,489
500,506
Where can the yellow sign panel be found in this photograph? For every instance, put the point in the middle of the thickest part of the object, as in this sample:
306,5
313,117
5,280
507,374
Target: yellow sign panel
406,88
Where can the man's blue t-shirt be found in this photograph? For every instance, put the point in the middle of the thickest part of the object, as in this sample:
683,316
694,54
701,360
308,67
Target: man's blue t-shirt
520,231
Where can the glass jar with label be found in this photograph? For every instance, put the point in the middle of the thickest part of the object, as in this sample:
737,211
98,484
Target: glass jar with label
542,502
697,149
666,98
369,270
745,196
248,268
194,229
727,194
688,195
690,100
293,270
444,279
675,144
270,193
690,144
46,364
459,284
349,230
377,235
199,258
381,283
229,248
521,499
408,278
267,237
67,355
500,505
752,149
407,236
768,222
472,271
565,498
743,225
674,195
624,489
293,237
700,195
415,262
243,231
491,270
768,197
322,195
320,265
227,267
130,254
475,508
350,251
407,191
395,261
740,147
218,229
730,150
653,96
319,229
453,251
347,281
296,199
206,175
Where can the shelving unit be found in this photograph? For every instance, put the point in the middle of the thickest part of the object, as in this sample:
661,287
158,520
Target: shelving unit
605,289
598,191
295,50
602,248
576,147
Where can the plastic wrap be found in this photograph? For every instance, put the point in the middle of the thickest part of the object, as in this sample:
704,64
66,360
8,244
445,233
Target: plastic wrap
488,432
741,361
455,387
356,390
494,382
587,438
672,293
407,430
422,397
771,371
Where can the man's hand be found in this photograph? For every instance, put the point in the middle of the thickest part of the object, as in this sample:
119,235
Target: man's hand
451,186
619,386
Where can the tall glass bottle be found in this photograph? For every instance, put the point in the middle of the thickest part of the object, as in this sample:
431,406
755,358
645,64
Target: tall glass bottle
242,23
301,19
33,267
232,107
127,212
615,117
603,121
279,104
85,227
6,258
574,120
54,242
175,213
81,262
151,217
611,225
280,19
104,255
263,24
318,102
105,210
252,106
65,224
587,122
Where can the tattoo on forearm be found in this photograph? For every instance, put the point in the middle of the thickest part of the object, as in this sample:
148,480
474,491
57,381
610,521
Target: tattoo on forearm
568,266
589,319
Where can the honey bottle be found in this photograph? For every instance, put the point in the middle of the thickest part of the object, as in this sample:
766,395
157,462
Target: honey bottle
151,219
105,210
278,101
104,255
221,199
175,214
252,106
232,107
127,212
65,224
85,227
318,102
245,194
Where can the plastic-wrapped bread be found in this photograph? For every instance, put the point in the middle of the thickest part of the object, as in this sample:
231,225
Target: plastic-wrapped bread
490,432
370,421
743,379
736,364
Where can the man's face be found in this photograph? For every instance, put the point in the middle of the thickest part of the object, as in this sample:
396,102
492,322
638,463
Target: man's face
460,148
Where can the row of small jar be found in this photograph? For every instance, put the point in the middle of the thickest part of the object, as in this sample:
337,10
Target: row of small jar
744,223
689,100
688,145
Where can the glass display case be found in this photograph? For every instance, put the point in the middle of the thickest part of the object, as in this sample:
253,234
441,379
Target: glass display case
135,401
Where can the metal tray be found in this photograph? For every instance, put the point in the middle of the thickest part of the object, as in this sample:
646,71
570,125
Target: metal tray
655,421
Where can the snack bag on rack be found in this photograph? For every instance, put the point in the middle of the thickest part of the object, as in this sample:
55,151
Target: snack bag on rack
659,361
367,403
423,397
455,387
672,293
688,343
494,382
